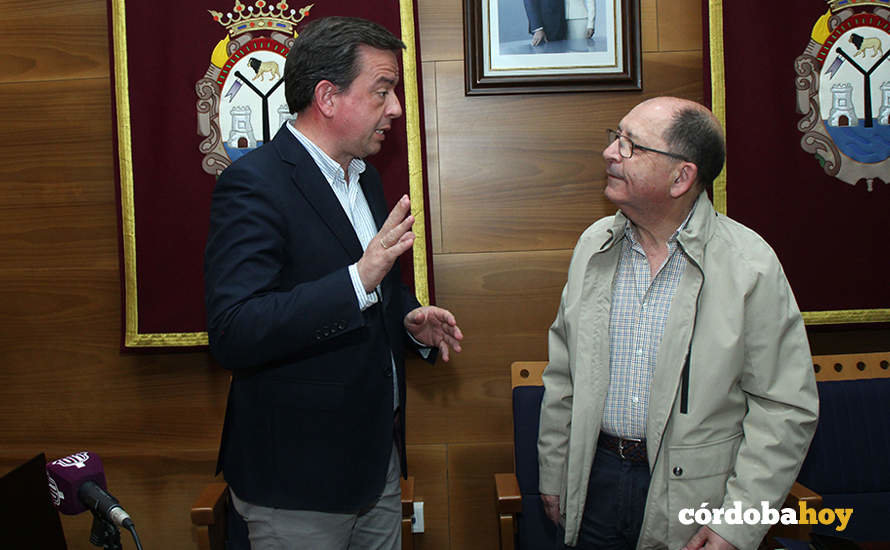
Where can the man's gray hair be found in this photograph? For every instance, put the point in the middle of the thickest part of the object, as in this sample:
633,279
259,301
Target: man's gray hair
695,134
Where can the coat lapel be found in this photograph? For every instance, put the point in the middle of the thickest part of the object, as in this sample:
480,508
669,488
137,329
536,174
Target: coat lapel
312,184
671,357
672,352
373,189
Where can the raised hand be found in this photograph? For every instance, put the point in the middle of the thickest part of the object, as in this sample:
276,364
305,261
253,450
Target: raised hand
393,240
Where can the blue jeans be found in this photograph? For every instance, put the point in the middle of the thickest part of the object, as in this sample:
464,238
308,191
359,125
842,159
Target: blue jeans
616,499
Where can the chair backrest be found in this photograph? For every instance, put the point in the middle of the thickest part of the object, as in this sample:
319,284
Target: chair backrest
847,461
534,529
852,366
215,523
849,450
528,389
209,517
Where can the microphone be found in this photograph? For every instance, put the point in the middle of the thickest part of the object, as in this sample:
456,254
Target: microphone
77,483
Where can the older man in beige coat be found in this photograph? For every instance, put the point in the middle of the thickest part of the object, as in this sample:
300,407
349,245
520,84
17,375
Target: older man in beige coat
716,398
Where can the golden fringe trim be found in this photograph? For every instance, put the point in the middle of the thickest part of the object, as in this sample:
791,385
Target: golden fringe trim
125,159
415,159
842,316
718,89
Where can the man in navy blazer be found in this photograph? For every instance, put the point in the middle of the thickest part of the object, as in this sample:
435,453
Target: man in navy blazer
305,305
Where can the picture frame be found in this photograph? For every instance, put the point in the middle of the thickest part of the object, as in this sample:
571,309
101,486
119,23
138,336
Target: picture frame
500,58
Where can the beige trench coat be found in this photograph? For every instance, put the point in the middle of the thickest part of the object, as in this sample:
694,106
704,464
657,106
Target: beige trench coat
752,402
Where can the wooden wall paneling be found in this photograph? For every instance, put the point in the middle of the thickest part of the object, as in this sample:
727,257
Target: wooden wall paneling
51,322
53,40
471,469
167,403
56,236
649,25
462,401
441,29
57,147
504,293
512,165
429,466
679,25
504,303
670,73
430,115
45,309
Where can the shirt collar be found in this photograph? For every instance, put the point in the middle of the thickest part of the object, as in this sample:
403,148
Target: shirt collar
630,229
330,169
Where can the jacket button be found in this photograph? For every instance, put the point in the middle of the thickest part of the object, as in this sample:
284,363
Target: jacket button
678,471
318,335
341,325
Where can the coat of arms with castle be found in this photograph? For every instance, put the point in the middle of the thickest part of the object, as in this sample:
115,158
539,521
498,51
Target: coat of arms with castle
843,91
241,102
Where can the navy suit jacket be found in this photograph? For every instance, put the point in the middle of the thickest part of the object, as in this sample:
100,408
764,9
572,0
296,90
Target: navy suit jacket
309,420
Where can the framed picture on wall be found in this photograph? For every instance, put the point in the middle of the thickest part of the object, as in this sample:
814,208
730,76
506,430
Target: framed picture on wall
533,46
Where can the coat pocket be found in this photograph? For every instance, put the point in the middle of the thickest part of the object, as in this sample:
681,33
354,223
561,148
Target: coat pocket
697,474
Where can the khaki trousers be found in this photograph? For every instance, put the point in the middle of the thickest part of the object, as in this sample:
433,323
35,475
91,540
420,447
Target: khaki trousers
378,528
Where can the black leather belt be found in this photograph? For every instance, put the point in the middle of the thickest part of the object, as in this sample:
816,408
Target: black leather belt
632,450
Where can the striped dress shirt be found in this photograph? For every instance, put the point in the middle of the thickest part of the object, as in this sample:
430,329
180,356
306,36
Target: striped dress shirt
354,204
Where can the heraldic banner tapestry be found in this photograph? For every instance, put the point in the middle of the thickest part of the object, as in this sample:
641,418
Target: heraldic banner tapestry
197,87
803,89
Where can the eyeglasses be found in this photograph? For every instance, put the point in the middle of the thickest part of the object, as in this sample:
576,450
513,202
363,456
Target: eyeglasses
626,147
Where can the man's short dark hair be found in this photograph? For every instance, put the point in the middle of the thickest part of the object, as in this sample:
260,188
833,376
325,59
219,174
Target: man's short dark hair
327,49
694,134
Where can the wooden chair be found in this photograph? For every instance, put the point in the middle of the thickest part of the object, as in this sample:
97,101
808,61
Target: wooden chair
209,515
521,520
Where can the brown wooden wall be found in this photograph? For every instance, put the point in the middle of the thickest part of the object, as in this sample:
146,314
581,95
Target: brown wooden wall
513,182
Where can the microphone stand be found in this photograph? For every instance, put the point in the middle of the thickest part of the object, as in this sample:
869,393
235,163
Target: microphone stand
105,534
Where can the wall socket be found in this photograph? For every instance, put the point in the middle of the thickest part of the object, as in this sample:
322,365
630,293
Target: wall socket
417,518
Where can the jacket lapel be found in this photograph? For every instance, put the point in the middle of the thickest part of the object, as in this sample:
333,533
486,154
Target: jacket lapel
665,387
373,190
671,358
312,184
